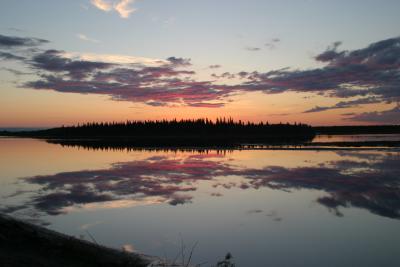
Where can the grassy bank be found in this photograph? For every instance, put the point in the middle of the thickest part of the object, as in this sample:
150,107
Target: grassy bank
23,244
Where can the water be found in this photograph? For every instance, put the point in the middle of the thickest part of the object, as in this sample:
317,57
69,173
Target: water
356,138
266,207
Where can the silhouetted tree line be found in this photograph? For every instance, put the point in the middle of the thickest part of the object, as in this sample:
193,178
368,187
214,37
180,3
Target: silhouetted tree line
198,127
224,133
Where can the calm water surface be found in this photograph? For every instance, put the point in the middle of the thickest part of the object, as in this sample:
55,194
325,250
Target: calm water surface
356,138
268,208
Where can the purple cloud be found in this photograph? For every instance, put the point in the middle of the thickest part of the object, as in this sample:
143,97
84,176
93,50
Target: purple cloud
371,74
345,104
391,116
330,54
16,42
53,61
371,71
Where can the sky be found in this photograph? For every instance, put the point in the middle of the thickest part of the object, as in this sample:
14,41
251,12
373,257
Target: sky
317,62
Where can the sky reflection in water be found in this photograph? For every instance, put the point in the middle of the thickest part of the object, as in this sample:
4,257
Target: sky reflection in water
163,186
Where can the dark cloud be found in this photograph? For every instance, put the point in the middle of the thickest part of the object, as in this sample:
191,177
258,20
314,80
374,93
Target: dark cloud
215,66
371,73
54,61
145,88
391,116
243,74
225,75
345,104
183,62
13,41
180,200
155,86
330,54
9,56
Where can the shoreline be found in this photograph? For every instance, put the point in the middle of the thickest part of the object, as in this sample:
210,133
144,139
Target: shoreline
126,143
26,244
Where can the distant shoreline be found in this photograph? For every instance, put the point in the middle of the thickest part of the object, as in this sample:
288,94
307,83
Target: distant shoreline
200,132
344,130
100,144
205,134
317,130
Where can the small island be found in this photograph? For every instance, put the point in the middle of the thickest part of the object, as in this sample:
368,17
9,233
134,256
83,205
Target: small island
174,133
203,133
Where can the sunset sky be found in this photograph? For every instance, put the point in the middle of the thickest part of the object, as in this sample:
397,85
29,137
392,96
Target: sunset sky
313,61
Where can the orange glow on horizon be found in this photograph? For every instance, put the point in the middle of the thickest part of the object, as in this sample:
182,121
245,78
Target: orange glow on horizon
53,109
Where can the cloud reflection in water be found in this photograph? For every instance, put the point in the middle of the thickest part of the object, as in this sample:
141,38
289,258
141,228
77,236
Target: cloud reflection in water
359,180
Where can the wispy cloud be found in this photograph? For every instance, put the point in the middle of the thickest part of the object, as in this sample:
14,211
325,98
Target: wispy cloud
122,7
9,56
115,58
271,44
84,37
345,104
14,41
252,48
102,5
216,66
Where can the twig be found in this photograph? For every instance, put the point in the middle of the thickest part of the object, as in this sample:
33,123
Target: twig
182,250
191,253
91,237
176,258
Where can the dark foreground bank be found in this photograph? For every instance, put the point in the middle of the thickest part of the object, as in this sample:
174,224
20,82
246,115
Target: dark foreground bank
23,244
